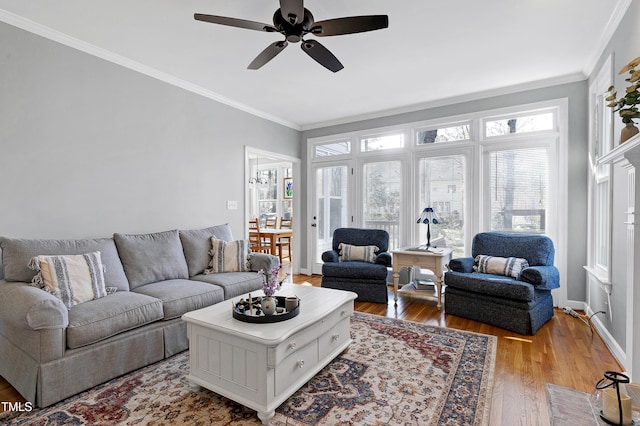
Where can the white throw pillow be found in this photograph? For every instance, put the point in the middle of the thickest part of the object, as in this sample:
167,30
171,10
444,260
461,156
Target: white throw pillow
229,256
362,253
74,279
507,266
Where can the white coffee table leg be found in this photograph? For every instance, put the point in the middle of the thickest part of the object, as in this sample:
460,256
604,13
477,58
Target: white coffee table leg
266,416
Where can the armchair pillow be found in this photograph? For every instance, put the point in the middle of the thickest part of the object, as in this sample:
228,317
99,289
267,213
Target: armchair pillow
507,266
229,256
350,252
74,279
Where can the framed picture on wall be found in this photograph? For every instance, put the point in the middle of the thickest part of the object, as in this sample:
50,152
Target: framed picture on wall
288,188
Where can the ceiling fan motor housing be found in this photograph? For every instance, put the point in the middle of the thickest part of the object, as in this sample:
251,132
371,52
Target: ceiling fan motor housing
293,32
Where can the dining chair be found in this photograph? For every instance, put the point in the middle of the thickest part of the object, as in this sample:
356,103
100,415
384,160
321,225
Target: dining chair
270,222
285,242
256,242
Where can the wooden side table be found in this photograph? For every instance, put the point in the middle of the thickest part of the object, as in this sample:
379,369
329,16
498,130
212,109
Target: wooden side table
435,260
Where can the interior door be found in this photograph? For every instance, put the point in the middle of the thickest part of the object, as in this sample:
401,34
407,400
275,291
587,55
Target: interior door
330,207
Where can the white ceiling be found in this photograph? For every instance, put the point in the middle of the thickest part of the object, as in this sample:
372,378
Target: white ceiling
433,51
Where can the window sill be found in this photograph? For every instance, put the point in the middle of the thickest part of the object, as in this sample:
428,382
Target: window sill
600,277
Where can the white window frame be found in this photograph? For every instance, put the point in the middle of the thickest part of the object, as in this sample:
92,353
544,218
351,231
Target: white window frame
600,207
556,141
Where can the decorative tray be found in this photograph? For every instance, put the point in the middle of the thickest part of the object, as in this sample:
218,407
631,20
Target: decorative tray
242,312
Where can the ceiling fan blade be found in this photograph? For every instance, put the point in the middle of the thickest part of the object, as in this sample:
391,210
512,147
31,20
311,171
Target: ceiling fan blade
292,10
349,25
322,55
267,54
234,22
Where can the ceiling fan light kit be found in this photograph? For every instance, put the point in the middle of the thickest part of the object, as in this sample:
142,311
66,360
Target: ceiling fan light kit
294,21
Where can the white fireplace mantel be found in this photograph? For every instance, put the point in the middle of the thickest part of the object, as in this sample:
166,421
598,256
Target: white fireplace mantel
629,151
627,156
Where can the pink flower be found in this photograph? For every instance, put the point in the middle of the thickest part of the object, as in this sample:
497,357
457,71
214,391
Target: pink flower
270,283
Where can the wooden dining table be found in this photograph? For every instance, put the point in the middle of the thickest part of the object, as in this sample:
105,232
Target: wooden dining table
273,235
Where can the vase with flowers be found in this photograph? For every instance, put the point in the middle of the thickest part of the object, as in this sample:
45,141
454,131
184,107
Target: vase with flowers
627,105
270,284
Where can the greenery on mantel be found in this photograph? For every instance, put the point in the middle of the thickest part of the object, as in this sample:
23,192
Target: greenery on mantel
627,105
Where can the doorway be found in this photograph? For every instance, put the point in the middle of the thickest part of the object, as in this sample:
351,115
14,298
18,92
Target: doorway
270,194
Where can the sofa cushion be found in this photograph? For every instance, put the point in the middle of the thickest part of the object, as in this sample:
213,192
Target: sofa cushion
490,285
149,258
196,244
507,266
99,319
233,283
16,254
230,256
73,278
181,296
362,253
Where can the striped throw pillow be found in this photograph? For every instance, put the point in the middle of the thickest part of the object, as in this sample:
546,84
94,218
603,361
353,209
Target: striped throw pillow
74,279
229,256
360,253
507,266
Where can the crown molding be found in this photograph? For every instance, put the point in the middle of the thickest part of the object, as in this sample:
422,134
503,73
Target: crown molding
65,39
620,10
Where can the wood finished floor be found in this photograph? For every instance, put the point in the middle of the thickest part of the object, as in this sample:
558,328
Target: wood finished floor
564,352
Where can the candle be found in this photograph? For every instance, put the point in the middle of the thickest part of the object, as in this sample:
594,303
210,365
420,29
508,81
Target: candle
610,406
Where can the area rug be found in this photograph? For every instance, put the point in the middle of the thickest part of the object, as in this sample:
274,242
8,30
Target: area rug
394,373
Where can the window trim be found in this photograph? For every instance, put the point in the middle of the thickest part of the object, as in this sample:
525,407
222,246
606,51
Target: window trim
557,229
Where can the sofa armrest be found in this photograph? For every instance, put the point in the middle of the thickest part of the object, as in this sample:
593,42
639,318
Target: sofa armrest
263,261
330,256
461,264
383,258
542,277
28,307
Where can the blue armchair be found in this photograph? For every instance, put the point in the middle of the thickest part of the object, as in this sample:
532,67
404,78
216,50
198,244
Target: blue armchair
367,278
521,304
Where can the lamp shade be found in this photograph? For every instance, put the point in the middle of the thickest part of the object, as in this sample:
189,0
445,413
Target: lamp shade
428,216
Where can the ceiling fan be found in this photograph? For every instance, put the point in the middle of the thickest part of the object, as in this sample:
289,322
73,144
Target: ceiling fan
294,21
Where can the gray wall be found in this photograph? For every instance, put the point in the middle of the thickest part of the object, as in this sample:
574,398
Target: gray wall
577,167
89,148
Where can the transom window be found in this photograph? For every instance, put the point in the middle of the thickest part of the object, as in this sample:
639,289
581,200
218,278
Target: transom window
461,132
332,148
493,170
380,143
522,124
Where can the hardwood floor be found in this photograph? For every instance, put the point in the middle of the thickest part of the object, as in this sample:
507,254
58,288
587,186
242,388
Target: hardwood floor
564,352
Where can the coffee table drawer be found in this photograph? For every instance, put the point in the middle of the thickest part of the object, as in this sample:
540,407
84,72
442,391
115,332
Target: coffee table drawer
334,338
297,367
309,334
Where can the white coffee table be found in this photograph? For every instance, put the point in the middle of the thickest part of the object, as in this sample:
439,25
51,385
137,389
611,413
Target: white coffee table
261,365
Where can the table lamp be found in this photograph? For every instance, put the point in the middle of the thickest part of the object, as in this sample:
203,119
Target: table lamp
428,216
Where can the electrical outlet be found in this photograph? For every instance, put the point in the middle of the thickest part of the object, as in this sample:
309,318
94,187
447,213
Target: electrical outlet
232,205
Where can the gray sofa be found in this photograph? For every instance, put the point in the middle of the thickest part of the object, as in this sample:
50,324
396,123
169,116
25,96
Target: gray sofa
49,352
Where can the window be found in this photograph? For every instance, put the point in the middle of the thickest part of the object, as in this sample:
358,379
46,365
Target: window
382,193
460,132
441,186
333,148
501,170
600,143
519,188
522,124
382,143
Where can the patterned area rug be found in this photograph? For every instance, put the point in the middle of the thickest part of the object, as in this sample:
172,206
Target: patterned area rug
394,373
